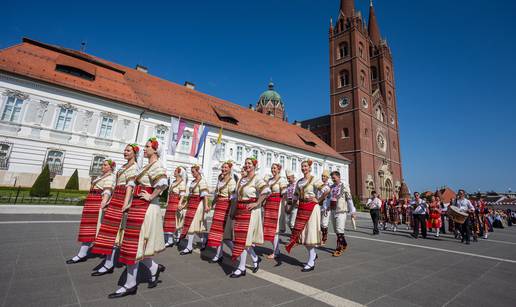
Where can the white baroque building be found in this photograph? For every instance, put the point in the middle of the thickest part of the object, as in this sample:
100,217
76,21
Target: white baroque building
72,110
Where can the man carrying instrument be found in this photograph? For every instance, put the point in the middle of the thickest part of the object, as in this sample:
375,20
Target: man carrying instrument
465,206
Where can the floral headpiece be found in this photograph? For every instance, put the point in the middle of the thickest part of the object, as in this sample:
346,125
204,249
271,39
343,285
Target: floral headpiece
154,142
111,163
135,147
253,160
309,162
277,165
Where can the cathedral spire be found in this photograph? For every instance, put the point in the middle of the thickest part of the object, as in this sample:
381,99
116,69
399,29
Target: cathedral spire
347,7
374,30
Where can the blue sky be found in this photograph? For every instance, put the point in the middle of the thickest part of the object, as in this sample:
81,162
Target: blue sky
454,70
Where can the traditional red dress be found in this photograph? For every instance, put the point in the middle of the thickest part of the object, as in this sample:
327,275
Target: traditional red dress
172,216
272,209
434,220
221,225
111,231
92,210
195,222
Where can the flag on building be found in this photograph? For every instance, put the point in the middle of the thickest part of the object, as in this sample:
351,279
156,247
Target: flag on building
217,154
193,148
172,138
202,140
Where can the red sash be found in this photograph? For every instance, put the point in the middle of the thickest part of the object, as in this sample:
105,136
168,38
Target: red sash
193,204
90,216
270,217
110,226
304,212
169,223
241,227
218,224
133,227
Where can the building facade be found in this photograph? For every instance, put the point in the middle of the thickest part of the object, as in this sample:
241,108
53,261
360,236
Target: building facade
363,120
71,110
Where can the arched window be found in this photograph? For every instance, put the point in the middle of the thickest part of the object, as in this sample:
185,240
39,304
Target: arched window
389,98
345,133
343,78
379,114
361,50
96,165
55,161
363,78
388,73
374,73
366,132
343,50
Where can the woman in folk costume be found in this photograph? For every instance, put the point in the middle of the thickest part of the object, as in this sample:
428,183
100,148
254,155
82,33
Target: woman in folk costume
221,227
110,233
95,203
434,220
247,227
394,213
307,230
272,209
197,208
341,204
143,234
324,202
176,195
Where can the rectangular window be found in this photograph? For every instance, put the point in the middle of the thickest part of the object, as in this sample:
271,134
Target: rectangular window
223,151
345,133
5,153
160,133
282,161
185,143
255,153
64,119
239,153
294,164
96,165
106,127
269,159
12,109
316,169
55,161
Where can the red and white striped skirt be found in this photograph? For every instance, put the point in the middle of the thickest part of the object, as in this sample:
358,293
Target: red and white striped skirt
271,217
90,216
110,225
218,224
170,220
243,229
194,201
304,213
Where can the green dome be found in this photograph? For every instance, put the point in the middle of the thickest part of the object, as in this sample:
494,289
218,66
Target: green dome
270,95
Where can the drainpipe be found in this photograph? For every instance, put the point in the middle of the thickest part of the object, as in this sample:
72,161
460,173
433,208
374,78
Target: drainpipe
138,128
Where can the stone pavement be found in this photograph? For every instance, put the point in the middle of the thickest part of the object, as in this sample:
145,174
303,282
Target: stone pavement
391,269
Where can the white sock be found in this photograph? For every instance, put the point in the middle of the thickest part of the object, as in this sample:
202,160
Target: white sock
108,264
275,245
251,252
83,251
437,231
151,265
189,246
311,257
243,258
218,254
169,238
132,271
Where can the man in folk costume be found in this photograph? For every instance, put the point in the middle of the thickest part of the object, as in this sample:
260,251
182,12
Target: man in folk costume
143,234
110,233
341,203
324,202
374,204
221,227
176,197
464,206
96,201
248,227
197,209
307,230
272,209
289,200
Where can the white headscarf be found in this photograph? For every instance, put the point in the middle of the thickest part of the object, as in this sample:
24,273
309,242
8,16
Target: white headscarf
183,173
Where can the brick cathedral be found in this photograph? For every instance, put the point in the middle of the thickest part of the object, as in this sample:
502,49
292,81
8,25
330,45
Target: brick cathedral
363,122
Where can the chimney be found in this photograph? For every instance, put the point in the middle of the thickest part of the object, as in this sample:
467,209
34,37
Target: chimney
189,85
251,107
297,123
141,68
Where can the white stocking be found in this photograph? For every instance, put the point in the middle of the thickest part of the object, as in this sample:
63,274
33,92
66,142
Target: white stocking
132,271
169,238
243,258
109,263
311,257
189,246
83,251
251,252
219,253
151,265
276,245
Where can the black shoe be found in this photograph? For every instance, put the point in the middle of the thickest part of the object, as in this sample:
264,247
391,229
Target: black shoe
130,291
167,245
81,259
233,275
153,284
304,270
218,260
257,267
203,247
108,271
182,253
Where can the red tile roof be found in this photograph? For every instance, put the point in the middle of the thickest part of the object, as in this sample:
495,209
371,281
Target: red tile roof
38,61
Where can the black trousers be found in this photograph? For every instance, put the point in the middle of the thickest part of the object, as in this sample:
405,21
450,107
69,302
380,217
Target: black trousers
465,230
375,216
419,219
443,219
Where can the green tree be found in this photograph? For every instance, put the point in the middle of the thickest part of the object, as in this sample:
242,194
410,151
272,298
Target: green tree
41,187
73,182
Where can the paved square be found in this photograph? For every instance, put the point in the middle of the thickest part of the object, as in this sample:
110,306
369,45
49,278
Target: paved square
391,269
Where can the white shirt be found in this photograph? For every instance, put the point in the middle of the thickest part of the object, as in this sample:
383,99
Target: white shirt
374,203
464,205
419,207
